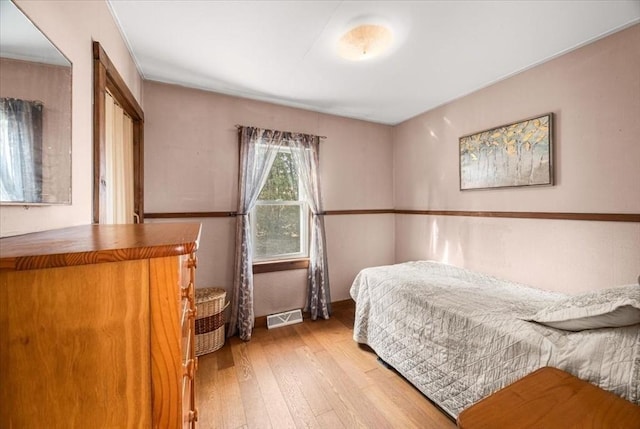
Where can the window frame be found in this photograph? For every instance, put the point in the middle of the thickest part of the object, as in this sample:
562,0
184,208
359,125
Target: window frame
303,222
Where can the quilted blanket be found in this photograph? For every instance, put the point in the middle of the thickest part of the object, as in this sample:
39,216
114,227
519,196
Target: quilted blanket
456,335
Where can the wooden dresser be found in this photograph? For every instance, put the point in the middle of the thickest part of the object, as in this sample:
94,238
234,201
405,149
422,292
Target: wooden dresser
551,398
97,327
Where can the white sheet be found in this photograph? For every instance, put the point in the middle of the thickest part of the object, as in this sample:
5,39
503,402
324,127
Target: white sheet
455,334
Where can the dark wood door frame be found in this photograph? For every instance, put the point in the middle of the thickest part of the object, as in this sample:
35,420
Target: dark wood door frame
106,78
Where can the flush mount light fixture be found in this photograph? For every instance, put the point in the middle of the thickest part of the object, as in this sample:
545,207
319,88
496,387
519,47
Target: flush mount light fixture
365,42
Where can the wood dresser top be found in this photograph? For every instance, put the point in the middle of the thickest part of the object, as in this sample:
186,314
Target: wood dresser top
91,244
551,398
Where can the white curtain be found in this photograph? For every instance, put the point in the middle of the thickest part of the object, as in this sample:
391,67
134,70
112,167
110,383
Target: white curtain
119,164
20,150
258,149
305,150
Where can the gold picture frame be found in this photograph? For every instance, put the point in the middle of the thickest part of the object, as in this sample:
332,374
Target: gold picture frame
513,155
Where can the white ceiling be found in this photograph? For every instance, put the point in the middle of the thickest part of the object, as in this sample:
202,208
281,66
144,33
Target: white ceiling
21,40
285,51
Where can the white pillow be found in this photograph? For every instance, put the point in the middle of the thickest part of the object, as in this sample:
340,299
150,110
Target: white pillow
608,308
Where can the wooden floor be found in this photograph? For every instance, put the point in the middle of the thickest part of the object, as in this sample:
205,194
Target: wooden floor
309,375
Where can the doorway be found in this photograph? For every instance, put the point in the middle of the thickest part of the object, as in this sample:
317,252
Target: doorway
118,128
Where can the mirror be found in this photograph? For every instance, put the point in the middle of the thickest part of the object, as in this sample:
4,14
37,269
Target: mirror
35,114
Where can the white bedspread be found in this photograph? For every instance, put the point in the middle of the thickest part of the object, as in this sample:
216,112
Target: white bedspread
456,336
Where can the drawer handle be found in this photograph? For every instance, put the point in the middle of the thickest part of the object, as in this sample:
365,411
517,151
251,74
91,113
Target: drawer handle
193,416
187,292
193,262
189,369
192,313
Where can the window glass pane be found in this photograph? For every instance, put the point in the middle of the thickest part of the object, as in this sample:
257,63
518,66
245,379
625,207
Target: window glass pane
277,230
282,183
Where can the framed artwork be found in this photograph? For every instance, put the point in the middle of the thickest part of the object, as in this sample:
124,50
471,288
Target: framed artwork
518,154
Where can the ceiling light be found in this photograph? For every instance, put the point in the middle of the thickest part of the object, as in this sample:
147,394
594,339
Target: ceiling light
364,42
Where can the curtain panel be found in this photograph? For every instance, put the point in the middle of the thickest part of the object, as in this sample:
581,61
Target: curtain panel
306,156
258,150
20,150
119,163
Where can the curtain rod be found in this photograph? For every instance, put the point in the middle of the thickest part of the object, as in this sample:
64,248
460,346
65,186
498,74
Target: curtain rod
291,132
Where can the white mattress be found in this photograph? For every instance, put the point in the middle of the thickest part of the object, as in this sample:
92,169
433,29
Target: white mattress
455,334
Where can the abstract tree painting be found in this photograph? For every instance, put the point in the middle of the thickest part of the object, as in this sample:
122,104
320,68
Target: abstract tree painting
518,154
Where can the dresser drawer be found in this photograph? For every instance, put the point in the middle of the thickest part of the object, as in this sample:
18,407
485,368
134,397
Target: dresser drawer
188,359
187,280
189,414
187,334
187,306
186,405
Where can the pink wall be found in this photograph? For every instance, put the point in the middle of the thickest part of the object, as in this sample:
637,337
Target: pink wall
72,26
192,156
594,93
191,164
51,85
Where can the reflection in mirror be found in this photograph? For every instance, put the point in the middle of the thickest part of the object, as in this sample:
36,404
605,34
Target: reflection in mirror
35,114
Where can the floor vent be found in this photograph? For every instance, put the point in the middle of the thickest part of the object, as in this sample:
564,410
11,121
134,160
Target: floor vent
284,319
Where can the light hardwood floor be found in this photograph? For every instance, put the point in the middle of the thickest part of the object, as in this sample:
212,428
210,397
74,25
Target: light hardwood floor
309,375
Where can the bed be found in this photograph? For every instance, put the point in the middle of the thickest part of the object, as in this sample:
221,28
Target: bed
458,335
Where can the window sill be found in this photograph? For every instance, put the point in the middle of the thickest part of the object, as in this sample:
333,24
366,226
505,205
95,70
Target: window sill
272,266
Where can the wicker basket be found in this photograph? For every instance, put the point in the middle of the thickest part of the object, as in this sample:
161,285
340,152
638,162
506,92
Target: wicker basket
209,319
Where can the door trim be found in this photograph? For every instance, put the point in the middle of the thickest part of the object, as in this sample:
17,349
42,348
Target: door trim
106,78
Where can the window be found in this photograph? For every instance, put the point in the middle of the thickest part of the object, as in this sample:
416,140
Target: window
280,217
